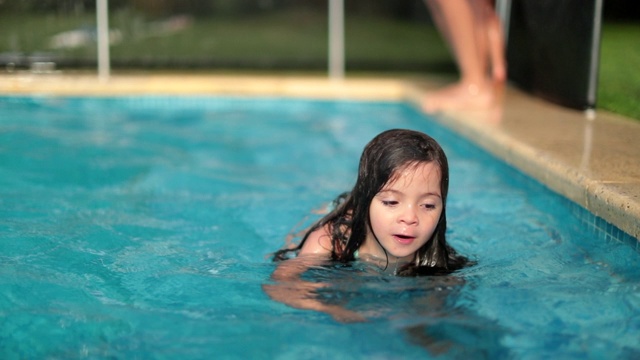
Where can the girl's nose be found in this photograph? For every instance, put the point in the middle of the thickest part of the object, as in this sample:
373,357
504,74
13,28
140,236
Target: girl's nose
408,215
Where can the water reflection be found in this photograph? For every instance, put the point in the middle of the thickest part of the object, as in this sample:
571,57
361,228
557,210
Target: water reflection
433,312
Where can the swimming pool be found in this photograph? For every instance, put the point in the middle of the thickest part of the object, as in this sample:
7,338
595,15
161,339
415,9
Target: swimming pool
139,227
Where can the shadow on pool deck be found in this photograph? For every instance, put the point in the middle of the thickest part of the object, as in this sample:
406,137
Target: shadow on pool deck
590,160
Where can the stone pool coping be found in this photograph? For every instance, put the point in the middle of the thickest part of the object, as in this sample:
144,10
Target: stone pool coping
592,159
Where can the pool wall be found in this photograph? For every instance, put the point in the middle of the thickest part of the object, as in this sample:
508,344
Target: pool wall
590,158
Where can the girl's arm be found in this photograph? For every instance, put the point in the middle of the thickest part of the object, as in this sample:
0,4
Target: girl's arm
290,289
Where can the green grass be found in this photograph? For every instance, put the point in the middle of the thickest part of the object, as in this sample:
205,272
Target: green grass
255,37
284,35
619,81
294,36
29,33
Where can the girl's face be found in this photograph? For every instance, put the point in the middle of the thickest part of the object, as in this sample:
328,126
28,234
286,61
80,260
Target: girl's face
405,213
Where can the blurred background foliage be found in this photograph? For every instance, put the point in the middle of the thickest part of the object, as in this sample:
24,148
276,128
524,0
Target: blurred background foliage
383,37
223,34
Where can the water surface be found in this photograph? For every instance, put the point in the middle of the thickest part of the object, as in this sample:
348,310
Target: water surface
140,227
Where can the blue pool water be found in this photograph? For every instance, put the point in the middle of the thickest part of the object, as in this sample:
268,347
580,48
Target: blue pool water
140,228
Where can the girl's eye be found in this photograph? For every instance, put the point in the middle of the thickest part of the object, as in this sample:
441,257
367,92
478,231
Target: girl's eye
429,206
389,202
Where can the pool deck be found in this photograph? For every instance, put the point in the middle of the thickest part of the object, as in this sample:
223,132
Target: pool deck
592,159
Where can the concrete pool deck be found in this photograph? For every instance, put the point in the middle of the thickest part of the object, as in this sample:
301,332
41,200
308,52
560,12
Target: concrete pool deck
592,160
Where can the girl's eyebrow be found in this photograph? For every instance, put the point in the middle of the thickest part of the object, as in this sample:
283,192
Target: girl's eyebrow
427,194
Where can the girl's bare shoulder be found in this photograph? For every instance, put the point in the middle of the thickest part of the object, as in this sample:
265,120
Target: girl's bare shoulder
318,242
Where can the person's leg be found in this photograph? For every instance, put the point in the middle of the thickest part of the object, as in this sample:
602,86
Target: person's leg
464,24
457,23
495,40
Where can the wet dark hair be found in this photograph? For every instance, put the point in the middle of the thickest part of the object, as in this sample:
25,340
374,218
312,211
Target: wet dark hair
379,164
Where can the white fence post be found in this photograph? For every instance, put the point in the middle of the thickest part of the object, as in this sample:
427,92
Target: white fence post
336,39
503,8
102,17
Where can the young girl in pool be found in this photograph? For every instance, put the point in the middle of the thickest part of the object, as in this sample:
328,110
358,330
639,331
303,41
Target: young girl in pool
393,218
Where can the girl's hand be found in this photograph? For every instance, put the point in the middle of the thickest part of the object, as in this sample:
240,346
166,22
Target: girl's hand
291,290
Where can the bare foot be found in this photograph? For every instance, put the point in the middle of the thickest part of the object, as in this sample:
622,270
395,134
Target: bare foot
490,115
459,96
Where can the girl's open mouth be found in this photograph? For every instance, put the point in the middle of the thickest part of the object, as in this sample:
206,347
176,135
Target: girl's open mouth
404,239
